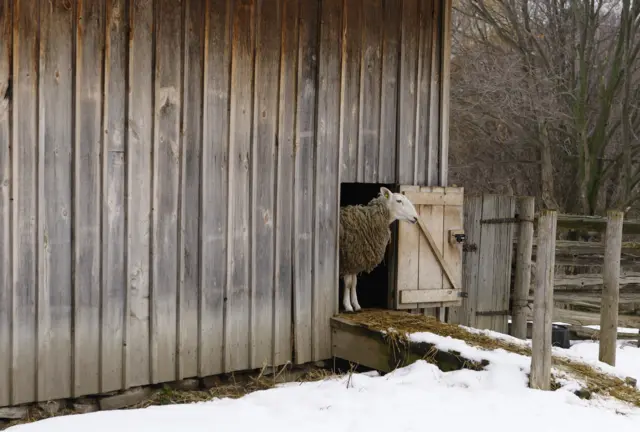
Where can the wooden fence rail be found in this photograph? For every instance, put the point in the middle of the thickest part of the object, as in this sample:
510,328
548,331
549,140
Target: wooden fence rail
593,223
578,282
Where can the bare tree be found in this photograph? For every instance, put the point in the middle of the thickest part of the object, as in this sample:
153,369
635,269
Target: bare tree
560,79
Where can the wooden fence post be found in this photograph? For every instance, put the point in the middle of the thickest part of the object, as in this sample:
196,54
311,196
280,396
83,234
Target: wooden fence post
611,287
526,210
540,377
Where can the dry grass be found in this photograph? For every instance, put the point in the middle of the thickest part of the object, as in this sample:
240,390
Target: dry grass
233,388
404,323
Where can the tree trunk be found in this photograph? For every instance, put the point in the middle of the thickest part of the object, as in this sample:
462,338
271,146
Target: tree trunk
546,171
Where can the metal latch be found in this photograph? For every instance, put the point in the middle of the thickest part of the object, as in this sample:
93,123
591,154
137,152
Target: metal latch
457,236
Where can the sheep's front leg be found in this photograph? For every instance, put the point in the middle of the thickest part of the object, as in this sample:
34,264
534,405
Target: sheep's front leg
345,296
354,294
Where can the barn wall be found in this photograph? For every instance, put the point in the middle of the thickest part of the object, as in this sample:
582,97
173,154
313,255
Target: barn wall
391,92
169,177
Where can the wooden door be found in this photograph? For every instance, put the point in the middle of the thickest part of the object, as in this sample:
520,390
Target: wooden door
489,225
426,278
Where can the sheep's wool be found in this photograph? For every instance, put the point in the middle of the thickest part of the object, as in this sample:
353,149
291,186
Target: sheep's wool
364,236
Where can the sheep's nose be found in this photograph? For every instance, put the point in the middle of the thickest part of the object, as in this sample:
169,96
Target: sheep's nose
415,219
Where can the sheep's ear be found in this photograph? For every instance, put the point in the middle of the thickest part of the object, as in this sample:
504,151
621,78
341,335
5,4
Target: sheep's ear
386,193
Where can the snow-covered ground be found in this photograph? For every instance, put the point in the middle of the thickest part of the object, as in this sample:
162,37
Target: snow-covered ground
621,330
416,398
627,355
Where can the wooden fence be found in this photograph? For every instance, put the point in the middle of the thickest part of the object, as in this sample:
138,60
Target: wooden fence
578,283
579,267
491,274
544,307
513,260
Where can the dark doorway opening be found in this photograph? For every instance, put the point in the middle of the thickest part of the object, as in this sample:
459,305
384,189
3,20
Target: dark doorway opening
373,288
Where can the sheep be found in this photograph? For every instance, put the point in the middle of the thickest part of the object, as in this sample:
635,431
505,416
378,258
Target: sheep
364,236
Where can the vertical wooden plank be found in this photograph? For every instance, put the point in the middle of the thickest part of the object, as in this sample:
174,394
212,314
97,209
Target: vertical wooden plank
389,90
26,46
350,171
238,300
114,250
522,282
445,88
87,191
452,253
430,274
502,264
56,110
214,185
370,89
434,146
304,199
284,185
423,144
486,291
139,147
408,92
540,377
265,127
610,288
5,203
472,214
167,154
327,179
189,279
408,261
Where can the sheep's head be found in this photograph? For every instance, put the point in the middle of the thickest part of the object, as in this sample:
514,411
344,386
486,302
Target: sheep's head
400,208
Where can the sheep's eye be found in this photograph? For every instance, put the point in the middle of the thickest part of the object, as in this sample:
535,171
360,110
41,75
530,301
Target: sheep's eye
400,201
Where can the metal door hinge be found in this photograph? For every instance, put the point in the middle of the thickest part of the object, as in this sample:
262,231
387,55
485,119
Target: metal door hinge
492,313
515,219
469,247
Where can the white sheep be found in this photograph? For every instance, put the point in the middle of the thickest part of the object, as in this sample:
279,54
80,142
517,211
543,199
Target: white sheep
364,236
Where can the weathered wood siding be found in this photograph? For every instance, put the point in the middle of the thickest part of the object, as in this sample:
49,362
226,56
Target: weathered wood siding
391,92
170,172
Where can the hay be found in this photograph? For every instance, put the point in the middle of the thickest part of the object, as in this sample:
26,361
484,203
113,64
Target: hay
404,323
233,389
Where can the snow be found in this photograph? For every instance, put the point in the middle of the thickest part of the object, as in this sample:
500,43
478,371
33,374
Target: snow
625,330
627,356
555,322
415,398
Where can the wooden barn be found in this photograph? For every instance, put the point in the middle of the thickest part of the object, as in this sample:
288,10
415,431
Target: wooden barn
171,173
